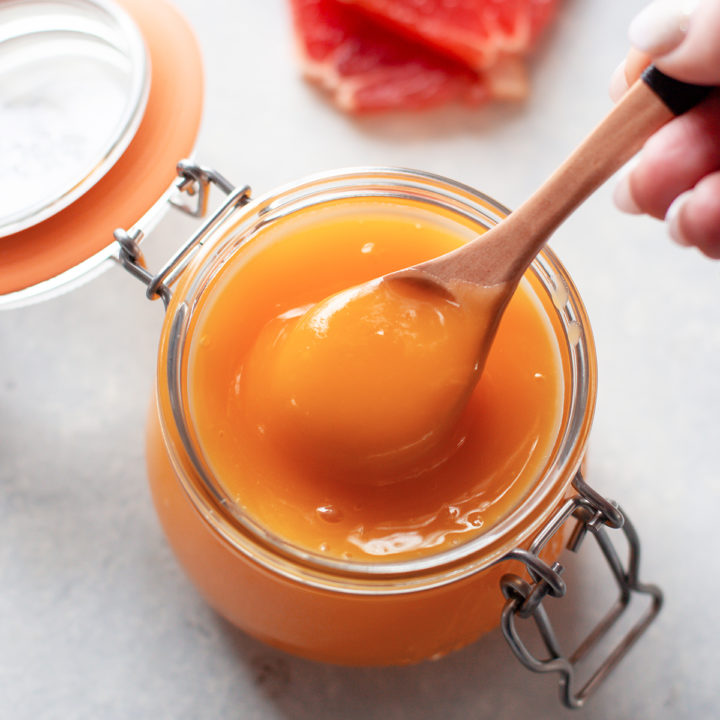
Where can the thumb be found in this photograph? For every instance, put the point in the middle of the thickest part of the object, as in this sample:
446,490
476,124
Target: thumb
682,37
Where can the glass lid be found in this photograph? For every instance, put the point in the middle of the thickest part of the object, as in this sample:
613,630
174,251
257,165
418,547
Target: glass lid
74,82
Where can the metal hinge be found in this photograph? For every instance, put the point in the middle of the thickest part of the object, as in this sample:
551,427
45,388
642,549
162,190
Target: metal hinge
594,515
193,181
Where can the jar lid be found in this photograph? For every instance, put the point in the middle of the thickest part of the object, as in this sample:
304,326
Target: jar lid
99,99
74,82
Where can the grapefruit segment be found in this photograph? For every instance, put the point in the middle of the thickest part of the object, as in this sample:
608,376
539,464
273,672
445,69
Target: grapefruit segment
477,32
367,67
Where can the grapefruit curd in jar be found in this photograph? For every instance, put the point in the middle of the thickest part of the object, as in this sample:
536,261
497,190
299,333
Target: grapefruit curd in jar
266,459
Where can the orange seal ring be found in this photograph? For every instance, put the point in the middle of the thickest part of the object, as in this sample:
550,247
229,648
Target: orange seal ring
141,175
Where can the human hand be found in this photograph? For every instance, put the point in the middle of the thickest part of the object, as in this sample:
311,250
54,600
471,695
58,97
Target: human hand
677,174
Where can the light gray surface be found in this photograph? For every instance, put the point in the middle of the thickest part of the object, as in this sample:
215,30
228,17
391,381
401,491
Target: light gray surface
97,620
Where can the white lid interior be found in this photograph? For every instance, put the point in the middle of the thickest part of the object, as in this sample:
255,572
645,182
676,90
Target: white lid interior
74,82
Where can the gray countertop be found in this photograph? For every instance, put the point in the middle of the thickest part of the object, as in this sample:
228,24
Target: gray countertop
96,618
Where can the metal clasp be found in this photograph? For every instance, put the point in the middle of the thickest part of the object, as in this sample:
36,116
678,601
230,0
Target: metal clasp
193,181
596,515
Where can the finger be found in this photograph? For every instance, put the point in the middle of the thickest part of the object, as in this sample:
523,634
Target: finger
627,72
636,62
618,83
674,160
694,218
662,25
682,37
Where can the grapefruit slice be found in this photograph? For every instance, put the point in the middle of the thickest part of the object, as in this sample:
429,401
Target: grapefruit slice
366,67
480,33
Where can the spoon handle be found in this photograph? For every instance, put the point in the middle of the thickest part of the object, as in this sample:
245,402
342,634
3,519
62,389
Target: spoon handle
503,254
677,95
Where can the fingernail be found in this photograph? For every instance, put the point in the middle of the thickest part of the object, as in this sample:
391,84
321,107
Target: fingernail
661,26
672,218
622,195
618,83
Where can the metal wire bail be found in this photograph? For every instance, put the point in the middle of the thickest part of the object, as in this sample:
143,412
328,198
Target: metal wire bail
596,515
193,181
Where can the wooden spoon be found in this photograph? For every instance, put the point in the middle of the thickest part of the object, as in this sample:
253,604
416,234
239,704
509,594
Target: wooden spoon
490,267
374,378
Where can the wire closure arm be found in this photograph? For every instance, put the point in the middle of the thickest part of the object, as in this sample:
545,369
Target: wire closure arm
194,182
594,515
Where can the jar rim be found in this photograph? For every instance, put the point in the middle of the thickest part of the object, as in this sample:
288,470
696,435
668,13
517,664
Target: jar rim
259,543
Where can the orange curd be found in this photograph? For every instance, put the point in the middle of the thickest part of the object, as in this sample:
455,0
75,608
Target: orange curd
287,523
290,450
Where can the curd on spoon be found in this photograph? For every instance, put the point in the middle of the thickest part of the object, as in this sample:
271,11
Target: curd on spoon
375,376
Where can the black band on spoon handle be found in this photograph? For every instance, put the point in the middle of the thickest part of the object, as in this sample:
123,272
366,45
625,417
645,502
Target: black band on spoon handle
678,96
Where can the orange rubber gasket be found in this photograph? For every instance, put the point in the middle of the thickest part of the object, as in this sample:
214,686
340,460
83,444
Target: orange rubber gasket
142,174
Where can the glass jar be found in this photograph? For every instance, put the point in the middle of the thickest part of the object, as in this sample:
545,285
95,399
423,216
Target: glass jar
364,613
